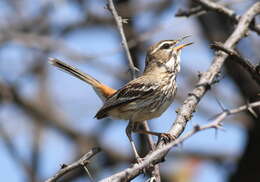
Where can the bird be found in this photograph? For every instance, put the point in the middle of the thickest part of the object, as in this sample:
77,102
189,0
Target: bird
143,98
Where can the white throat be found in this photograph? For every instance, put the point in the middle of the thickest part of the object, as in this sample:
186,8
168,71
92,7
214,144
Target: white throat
173,65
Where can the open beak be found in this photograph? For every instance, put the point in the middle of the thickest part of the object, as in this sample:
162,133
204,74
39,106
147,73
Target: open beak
181,39
181,46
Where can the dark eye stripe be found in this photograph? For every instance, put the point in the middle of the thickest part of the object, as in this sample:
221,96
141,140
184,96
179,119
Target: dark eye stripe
166,46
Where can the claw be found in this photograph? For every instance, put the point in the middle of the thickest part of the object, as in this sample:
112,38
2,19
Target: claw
167,137
138,161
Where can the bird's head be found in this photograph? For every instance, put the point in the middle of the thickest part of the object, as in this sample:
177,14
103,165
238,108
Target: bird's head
165,55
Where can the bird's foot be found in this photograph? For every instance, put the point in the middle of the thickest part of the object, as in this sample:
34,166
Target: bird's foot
138,160
166,137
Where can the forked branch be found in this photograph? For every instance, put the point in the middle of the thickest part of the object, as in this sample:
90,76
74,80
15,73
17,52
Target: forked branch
82,162
190,104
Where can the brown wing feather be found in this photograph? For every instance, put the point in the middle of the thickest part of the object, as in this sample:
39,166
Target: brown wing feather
131,92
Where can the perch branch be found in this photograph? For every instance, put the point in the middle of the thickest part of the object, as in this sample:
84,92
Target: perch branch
83,161
158,155
190,104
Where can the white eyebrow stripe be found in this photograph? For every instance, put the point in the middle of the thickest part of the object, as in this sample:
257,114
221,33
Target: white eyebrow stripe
159,46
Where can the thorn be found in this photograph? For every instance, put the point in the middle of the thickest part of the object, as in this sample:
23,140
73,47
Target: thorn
227,111
218,126
206,85
87,171
107,7
217,78
194,95
124,20
213,117
180,145
199,74
250,110
221,105
63,166
196,127
216,134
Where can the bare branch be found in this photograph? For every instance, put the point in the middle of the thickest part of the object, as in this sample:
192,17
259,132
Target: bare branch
83,161
185,112
191,102
158,155
119,23
243,62
197,11
213,6
210,5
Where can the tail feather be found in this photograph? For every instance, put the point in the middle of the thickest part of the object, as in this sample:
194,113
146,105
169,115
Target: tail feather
101,90
74,72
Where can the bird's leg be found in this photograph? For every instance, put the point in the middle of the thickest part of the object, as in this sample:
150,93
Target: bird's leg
128,131
167,137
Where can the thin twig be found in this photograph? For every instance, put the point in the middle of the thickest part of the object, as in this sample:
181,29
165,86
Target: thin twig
119,23
210,5
213,6
225,11
196,11
83,161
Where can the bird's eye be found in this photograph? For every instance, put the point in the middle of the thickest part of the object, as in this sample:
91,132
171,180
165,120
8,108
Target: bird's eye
165,46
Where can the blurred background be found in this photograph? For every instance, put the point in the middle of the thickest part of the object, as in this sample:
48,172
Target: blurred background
46,115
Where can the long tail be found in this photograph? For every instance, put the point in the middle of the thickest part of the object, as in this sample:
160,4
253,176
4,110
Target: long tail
102,90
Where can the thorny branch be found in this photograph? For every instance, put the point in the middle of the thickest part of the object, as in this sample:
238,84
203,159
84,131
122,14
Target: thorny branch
157,155
210,5
119,23
213,6
243,62
185,112
82,162
190,104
